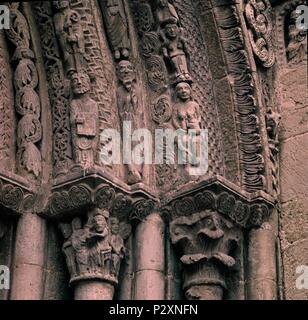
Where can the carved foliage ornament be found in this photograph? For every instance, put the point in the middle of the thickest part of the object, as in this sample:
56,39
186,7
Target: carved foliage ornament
15,198
241,212
258,16
27,101
206,244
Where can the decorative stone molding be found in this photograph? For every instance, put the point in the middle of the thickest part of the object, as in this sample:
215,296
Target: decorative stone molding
27,100
95,190
241,81
15,195
258,15
206,222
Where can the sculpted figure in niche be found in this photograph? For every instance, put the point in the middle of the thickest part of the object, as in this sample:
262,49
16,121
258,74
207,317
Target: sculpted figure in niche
166,12
186,116
117,27
84,120
175,52
70,35
129,108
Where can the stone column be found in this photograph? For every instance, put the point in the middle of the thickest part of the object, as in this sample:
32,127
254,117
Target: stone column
28,267
94,249
205,242
93,290
262,284
150,259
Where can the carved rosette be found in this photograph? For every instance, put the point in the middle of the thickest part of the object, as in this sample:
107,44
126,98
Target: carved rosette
206,224
27,100
259,19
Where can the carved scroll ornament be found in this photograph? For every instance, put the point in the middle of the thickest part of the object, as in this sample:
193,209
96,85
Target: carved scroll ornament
258,16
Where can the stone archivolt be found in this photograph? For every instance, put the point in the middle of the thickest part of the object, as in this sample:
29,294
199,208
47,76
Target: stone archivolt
96,210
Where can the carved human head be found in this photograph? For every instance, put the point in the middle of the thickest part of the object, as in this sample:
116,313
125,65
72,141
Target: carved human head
126,71
99,222
76,224
80,83
183,91
114,225
61,4
171,29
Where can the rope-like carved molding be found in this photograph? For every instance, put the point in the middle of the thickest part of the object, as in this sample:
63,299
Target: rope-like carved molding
15,197
239,72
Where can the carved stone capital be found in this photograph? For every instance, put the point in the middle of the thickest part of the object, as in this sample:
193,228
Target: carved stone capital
15,194
97,190
206,221
206,242
94,246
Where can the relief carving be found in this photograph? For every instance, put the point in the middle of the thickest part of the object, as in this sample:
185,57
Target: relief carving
166,13
259,19
94,249
70,35
129,109
84,121
117,27
27,101
206,244
186,116
7,123
296,40
175,52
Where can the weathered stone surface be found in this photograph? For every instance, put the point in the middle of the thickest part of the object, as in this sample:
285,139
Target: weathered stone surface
294,173
294,256
73,226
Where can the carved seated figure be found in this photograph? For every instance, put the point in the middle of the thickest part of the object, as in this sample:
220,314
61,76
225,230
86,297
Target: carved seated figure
84,121
175,51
